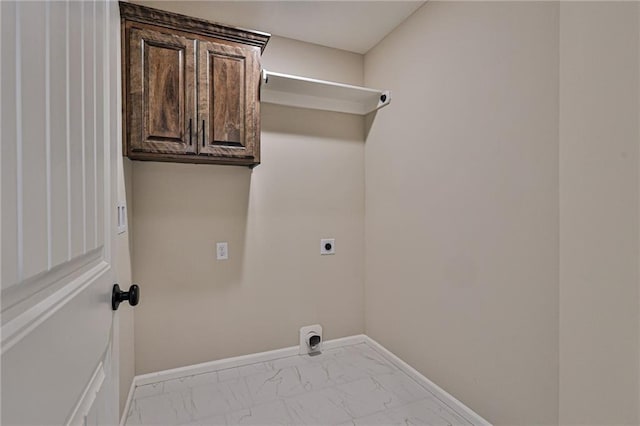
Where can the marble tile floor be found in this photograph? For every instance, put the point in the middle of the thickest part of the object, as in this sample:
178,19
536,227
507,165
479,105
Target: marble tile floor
350,385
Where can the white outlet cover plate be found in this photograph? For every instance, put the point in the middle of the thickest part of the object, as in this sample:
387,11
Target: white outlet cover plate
323,244
122,218
304,331
222,251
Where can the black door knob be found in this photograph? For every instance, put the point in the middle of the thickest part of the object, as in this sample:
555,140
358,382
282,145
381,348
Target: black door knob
117,296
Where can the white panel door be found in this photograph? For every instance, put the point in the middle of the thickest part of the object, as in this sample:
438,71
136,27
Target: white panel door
59,127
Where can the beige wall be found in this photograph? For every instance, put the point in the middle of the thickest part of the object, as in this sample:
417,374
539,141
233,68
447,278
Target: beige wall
599,213
502,218
310,185
462,204
519,258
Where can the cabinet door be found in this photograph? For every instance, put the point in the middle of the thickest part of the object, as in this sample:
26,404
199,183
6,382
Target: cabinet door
229,108
162,92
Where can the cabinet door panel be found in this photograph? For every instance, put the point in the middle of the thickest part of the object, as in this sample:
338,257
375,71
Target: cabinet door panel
229,108
162,69
161,92
228,102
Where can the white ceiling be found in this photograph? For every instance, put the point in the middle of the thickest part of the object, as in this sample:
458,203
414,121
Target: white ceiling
355,26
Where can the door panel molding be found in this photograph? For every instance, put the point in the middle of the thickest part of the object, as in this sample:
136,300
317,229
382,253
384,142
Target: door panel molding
33,290
88,397
27,320
161,126
60,63
52,132
235,70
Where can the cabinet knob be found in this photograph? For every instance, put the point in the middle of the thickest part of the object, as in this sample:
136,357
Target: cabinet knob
117,296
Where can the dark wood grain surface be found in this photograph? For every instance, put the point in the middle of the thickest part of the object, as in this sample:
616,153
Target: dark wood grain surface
161,98
190,89
228,101
227,94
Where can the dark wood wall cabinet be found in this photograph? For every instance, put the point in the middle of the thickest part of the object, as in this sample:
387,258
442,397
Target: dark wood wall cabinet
191,88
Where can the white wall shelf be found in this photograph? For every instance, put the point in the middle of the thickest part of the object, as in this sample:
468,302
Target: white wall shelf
302,92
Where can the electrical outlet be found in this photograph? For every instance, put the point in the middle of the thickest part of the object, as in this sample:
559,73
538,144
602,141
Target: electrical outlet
328,246
222,251
122,218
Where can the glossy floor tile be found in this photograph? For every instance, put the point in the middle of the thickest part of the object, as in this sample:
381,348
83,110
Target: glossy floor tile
351,385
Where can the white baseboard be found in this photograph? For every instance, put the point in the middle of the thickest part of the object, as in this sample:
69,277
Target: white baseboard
237,361
205,367
436,390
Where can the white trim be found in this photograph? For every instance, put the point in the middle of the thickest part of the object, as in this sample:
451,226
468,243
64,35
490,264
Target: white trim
238,361
68,129
20,326
83,127
127,403
221,364
47,120
436,390
343,341
95,133
85,402
19,298
19,165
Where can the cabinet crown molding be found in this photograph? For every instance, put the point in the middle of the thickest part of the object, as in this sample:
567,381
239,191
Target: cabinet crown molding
176,21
